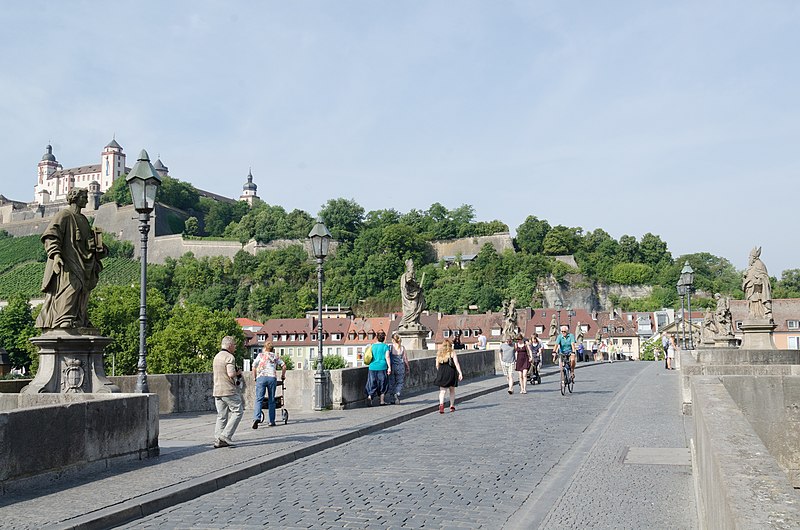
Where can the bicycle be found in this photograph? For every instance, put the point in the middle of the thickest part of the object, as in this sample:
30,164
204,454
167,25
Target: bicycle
567,381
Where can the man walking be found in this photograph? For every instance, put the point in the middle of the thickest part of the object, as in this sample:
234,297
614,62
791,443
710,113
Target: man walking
227,398
665,346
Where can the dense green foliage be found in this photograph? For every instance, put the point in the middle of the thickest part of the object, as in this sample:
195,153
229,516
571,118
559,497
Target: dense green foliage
172,192
16,327
330,362
191,301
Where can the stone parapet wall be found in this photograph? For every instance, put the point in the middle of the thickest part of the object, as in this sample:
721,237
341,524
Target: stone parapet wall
46,433
740,484
472,245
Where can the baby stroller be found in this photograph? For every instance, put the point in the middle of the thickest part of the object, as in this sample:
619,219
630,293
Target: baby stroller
279,404
533,373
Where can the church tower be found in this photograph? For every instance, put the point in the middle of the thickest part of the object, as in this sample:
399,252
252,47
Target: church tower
249,190
46,168
112,164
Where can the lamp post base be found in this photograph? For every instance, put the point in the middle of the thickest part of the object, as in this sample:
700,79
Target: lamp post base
321,401
70,361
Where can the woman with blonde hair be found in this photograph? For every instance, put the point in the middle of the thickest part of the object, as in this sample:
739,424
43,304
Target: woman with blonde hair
448,374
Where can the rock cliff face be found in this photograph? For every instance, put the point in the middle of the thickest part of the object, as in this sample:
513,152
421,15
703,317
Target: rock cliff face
577,291
472,245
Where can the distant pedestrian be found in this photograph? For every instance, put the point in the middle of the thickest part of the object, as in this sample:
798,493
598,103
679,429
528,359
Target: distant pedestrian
399,366
665,340
536,346
482,341
379,370
581,352
448,374
457,344
508,356
265,373
523,363
227,396
594,351
672,350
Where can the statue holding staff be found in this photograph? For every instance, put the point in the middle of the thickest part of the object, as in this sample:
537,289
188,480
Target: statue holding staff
757,288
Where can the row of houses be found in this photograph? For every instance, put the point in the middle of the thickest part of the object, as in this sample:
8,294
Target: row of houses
347,335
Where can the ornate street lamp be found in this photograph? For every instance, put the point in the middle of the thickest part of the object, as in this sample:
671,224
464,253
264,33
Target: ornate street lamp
320,244
558,305
687,278
143,181
682,292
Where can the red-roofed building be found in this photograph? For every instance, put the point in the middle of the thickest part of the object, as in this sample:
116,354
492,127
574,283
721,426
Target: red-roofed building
362,332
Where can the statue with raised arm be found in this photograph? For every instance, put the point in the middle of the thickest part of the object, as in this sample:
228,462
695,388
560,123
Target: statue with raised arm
74,250
413,298
579,333
757,288
723,317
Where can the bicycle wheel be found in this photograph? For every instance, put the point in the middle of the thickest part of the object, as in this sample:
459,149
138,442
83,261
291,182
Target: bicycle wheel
570,383
563,383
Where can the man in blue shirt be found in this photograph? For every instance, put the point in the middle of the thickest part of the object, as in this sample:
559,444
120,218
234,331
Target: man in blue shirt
565,344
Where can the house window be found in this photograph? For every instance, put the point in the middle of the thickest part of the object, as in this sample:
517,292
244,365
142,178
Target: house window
352,335
495,332
739,325
330,351
794,343
291,352
539,329
282,350
793,324
311,352
350,351
446,333
338,351
466,333
299,366
627,343
275,337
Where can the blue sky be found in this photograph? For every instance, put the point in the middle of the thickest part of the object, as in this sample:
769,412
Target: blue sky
677,118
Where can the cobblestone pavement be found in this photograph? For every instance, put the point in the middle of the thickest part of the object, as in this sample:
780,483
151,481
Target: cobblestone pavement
524,461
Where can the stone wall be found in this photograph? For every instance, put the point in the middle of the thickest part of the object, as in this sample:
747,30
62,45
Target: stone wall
472,245
740,484
578,291
43,433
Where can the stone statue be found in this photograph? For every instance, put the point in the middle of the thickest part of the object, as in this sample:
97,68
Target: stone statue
510,328
709,327
74,250
722,316
553,327
413,298
578,333
757,289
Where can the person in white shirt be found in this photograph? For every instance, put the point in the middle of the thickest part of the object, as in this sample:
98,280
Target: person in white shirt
265,371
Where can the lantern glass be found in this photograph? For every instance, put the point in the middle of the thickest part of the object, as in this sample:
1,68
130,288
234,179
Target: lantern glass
320,240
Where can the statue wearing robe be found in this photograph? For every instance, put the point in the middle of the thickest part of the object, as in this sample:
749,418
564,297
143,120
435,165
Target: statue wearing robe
757,288
413,298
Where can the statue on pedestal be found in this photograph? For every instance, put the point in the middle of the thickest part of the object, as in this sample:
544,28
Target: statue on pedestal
413,298
553,327
709,327
722,317
510,328
579,333
757,288
70,350
74,250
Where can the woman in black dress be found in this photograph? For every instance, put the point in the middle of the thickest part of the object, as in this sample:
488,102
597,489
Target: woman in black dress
448,374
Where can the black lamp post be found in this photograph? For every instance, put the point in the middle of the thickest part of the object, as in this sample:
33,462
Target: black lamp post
682,293
320,243
143,182
687,279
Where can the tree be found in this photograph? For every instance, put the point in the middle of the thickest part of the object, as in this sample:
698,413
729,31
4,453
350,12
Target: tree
654,251
343,217
789,284
114,310
632,273
119,192
219,214
16,327
191,339
629,251
561,240
191,227
531,234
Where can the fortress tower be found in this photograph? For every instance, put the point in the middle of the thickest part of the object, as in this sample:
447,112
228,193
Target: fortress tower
112,164
249,190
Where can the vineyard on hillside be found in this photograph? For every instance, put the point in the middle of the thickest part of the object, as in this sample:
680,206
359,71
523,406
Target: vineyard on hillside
26,278
17,250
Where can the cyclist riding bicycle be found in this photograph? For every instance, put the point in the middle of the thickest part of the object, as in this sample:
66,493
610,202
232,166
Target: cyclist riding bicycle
565,345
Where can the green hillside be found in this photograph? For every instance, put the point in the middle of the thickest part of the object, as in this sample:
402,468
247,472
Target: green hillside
17,250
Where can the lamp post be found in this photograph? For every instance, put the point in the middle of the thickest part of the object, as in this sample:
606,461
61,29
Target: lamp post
320,242
687,278
682,293
558,305
143,182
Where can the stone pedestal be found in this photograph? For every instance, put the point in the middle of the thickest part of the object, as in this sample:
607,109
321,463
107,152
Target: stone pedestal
70,361
414,338
724,342
757,335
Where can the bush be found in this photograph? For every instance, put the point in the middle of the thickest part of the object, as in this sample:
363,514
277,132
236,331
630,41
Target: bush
287,360
646,352
331,362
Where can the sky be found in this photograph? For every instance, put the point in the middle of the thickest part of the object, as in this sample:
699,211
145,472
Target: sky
679,118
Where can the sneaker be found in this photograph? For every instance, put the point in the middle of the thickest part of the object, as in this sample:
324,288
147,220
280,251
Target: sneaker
225,442
397,399
272,424
510,391
369,401
255,424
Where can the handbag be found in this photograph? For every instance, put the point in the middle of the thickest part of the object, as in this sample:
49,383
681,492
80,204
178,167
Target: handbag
368,355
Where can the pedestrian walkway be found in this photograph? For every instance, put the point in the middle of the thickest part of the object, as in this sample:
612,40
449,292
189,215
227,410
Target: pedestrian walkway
188,467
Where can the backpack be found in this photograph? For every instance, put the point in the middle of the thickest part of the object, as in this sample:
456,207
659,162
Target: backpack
368,355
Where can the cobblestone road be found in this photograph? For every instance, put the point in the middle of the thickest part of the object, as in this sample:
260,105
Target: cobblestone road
498,461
